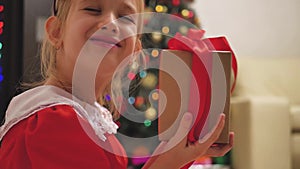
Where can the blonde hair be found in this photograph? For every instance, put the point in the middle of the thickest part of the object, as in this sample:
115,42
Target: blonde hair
48,51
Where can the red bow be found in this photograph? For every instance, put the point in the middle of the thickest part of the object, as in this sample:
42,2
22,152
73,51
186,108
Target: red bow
195,43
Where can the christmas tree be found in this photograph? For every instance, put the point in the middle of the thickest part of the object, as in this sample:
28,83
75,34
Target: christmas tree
145,97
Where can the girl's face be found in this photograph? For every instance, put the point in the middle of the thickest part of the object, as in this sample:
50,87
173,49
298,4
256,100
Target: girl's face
95,21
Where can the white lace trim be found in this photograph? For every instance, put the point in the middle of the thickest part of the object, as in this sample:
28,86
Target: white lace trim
101,120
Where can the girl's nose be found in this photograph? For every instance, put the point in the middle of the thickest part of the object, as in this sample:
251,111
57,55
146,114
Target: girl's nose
111,26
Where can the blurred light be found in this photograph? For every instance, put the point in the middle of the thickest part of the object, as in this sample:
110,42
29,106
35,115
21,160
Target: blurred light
139,101
155,53
176,2
1,8
0,55
197,21
155,96
1,24
107,97
185,13
149,81
134,65
183,29
165,30
131,76
191,14
1,31
140,155
156,36
159,8
1,45
147,123
151,113
165,9
143,74
131,100
2,78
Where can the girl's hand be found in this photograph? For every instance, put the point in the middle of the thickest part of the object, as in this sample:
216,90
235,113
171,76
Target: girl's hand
169,156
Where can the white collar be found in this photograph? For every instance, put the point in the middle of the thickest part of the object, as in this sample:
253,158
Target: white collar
36,99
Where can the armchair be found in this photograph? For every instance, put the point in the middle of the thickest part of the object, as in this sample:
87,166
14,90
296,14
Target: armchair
265,110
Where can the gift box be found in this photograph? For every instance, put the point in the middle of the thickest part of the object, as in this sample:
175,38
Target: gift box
200,86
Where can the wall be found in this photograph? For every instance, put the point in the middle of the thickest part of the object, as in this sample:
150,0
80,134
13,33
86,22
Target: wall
34,12
254,28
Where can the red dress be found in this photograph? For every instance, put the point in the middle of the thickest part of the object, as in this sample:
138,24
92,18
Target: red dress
53,138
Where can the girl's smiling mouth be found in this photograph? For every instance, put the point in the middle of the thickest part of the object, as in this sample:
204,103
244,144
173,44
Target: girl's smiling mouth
105,41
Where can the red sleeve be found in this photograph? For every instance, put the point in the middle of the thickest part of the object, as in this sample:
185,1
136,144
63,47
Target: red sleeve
53,139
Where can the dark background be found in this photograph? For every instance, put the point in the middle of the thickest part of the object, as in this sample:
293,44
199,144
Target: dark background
21,42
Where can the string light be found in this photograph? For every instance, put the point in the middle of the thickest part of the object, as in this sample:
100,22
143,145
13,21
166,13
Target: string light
156,36
159,8
131,100
151,113
149,81
183,29
107,97
134,65
1,77
176,2
197,21
1,8
143,74
155,96
155,53
131,75
140,155
1,44
147,123
139,101
185,13
165,9
165,30
191,14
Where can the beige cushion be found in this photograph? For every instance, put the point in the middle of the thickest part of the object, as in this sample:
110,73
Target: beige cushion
295,118
296,151
276,76
262,133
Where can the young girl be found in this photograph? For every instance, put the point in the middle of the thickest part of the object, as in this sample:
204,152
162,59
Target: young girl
46,128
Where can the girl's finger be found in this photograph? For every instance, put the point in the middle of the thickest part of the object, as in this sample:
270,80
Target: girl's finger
222,149
181,134
212,136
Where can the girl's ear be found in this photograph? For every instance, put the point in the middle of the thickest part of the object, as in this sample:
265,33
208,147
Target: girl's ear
138,45
53,31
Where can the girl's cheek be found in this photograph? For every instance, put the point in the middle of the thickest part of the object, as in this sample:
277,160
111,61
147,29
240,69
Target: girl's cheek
127,30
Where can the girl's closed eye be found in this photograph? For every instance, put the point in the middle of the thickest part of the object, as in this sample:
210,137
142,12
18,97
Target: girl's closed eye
127,18
93,10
